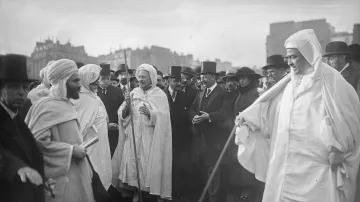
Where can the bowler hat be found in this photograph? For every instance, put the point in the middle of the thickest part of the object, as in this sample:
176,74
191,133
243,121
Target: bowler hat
354,50
114,78
187,71
122,68
275,61
221,73
246,71
228,74
13,67
175,72
208,67
336,48
105,69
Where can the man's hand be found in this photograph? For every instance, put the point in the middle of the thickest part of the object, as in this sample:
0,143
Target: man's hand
203,117
336,157
27,173
113,126
79,152
144,110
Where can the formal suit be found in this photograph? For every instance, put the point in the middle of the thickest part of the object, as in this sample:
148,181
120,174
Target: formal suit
112,98
19,150
352,76
214,134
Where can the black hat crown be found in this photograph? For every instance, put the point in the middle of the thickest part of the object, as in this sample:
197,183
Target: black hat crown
13,67
275,61
175,72
208,67
336,48
105,69
246,71
122,68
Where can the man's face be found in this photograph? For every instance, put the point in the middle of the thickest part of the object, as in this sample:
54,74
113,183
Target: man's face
175,84
73,86
114,83
13,94
208,80
276,73
144,80
123,78
244,81
231,84
336,61
166,83
94,86
159,80
104,81
185,80
296,61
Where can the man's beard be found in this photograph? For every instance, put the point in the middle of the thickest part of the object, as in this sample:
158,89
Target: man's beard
123,81
73,93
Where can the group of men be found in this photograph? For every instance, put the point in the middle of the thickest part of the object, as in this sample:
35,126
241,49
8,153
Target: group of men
297,136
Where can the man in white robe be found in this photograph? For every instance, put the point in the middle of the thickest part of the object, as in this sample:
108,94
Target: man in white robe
93,120
152,129
301,137
53,122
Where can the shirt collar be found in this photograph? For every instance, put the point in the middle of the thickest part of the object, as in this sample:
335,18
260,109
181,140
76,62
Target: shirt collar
171,90
11,113
213,87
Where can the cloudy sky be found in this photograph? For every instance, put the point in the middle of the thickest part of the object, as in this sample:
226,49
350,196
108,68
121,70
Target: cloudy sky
232,30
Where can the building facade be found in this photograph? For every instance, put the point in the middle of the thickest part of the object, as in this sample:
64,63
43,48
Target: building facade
49,50
356,34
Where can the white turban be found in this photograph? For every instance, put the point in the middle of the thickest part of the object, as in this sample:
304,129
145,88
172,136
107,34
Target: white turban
151,70
43,74
88,74
307,43
58,73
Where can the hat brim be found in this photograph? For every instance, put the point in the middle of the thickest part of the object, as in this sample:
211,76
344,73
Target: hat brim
189,74
336,53
251,76
120,71
169,76
276,66
216,74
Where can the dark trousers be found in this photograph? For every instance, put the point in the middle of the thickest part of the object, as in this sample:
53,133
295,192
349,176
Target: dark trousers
113,141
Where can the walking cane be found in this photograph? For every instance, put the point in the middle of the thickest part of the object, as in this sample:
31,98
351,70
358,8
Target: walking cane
132,127
217,164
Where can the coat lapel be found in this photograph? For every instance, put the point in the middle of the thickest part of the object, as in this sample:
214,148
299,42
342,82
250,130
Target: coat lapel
14,131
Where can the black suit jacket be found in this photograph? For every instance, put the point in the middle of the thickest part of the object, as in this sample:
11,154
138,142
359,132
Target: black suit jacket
214,133
19,149
179,121
112,101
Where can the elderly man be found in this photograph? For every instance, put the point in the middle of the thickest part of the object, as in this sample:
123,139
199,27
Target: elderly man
152,129
208,115
301,137
337,56
93,121
53,121
276,68
23,168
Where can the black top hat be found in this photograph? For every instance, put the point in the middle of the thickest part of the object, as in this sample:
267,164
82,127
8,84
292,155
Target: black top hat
275,61
354,50
187,71
336,48
13,68
208,67
121,68
175,72
105,69
246,71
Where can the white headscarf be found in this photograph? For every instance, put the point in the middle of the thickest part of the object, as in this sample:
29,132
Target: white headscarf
88,74
152,72
58,73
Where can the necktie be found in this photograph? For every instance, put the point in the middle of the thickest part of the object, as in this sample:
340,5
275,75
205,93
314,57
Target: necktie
208,92
103,90
173,96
